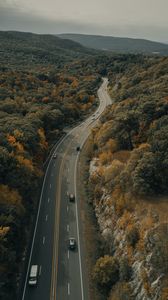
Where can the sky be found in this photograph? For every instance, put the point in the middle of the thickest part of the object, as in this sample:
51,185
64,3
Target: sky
124,18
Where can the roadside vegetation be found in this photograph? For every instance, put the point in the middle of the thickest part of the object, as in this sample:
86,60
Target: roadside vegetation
43,88
128,179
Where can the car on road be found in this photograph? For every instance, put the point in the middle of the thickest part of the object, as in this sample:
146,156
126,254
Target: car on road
55,156
78,148
33,275
72,243
71,197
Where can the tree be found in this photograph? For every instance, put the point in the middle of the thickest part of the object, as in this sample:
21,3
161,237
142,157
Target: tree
106,271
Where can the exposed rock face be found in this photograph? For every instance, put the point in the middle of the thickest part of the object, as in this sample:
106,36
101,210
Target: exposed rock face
138,235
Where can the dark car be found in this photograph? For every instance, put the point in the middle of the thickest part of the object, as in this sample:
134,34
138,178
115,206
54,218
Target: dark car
71,197
78,148
72,243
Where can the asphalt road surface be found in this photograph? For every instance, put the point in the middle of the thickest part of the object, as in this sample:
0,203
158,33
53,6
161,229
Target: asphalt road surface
61,270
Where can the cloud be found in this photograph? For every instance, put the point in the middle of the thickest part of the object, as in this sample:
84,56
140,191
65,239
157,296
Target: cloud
15,15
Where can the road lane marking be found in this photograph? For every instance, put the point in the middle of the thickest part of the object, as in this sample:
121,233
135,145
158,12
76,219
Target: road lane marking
52,174
57,216
40,270
48,200
67,208
50,185
43,240
67,228
77,225
68,288
68,254
46,218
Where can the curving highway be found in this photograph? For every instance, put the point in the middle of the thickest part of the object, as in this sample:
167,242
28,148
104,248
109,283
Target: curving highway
61,270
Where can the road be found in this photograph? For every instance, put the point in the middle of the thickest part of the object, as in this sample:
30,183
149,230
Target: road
61,271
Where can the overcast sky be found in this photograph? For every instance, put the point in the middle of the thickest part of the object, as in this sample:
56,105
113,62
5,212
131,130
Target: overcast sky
128,18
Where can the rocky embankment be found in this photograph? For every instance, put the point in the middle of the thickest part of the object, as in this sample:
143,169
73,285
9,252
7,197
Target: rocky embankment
137,237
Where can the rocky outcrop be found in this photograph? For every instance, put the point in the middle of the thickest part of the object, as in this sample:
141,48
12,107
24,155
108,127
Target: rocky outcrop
137,234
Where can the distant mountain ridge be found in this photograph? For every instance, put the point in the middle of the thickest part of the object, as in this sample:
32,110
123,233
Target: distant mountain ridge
26,48
117,44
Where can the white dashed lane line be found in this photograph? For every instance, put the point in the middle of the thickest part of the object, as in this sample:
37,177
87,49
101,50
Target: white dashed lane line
68,288
67,228
46,218
43,240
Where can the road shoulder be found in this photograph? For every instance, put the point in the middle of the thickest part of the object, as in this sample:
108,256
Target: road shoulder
89,237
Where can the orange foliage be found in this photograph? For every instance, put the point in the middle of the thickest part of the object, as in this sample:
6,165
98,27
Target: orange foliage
105,157
111,145
122,156
7,195
11,139
125,219
43,142
74,83
26,162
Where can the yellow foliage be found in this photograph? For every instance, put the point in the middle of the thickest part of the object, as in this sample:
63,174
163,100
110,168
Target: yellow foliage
122,155
74,83
18,133
113,171
164,295
125,219
26,162
4,230
111,145
19,147
10,196
11,139
105,157
43,142
144,146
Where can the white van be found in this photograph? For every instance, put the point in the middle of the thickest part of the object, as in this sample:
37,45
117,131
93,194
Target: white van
33,275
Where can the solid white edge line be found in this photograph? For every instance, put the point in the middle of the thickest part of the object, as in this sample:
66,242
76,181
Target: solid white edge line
41,195
77,217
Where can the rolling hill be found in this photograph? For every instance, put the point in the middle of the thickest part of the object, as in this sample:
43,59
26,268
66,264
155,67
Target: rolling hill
21,48
117,44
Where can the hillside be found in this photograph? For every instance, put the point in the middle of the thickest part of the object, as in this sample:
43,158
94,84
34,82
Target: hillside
28,48
128,182
116,44
45,86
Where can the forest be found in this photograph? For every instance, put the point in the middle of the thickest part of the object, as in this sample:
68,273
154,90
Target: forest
43,88
47,84
129,181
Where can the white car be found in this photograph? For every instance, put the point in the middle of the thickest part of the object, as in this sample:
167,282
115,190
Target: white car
72,243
